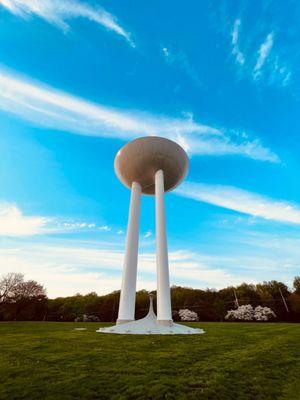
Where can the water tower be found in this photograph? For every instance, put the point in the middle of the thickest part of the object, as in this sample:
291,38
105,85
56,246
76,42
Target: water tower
150,166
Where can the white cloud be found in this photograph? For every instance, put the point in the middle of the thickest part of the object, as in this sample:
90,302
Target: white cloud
70,268
14,223
267,63
242,201
57,12
74,225
246,147
239,56
147,234
281,250
165,51
263,54
48,107
104,228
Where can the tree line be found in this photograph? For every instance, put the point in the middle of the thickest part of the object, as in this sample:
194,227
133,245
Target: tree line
22,300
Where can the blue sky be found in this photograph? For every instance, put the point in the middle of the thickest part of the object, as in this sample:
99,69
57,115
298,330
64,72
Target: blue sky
79,79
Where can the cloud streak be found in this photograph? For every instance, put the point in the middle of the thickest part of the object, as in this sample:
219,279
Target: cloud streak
51,108
242,201
263,54
259,63
14,223
70,267
239,56
58,12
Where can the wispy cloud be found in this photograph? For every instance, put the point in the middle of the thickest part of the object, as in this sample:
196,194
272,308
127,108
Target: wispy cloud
14,223
239,56
242,201
48,107
104,228
147,234
181,60
279,73
262,64
263,54
242,145
58,12
78,225
70,267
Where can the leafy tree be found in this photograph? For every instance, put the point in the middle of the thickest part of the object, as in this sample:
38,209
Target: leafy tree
27,300
246,293
28,290
296,285
21,300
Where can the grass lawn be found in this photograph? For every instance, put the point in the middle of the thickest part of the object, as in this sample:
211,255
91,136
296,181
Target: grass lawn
230,361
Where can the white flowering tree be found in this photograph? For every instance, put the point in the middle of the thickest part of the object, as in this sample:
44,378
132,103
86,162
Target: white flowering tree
188,315
263,313
248,313
242,313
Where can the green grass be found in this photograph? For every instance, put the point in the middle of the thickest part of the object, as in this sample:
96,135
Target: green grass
230,361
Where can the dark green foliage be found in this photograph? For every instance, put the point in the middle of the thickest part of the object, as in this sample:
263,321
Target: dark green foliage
21,300
230,361
210,305
296,285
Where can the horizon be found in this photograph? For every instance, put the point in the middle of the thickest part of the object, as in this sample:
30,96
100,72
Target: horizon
172,287
79,79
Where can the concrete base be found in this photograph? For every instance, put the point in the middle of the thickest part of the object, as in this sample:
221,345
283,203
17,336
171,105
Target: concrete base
165,322
146,326
123,321
150,326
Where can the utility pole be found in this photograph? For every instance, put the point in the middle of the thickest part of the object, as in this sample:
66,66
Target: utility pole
283,299
236,299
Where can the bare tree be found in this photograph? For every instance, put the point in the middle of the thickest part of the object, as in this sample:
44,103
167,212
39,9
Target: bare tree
8,285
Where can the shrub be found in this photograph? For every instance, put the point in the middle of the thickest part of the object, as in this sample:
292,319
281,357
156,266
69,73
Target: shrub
263,313
188,315
248,313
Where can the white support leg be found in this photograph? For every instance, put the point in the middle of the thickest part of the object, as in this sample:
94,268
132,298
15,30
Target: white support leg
127,297
164,310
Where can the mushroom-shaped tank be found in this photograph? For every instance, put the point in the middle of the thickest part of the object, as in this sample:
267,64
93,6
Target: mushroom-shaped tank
140,159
